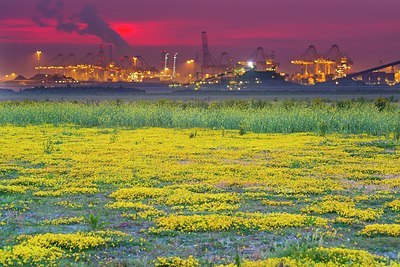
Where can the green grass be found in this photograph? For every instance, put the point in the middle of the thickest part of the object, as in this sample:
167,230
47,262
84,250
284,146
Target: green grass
286,116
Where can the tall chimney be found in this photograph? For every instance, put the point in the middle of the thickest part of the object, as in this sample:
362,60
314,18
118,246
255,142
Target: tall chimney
111,58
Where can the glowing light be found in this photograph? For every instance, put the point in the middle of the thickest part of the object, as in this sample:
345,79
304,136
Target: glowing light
134,62
250,64
38,55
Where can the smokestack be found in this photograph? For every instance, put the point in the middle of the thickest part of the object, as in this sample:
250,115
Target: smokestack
111,58
163,58
102,56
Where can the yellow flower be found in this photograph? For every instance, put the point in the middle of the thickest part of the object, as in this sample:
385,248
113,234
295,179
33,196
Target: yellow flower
258,221
381,229
394,205
176,262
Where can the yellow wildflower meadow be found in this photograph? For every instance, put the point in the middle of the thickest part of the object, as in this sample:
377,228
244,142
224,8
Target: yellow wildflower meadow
93,195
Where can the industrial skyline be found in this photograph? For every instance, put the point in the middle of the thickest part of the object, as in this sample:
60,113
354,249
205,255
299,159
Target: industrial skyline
366,30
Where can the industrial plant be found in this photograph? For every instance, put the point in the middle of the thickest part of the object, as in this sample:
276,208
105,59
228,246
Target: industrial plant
223,71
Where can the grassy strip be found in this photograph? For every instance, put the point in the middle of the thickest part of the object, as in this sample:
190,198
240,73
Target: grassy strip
288,116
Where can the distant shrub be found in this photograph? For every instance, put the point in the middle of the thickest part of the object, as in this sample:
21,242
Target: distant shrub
193,134
94,221
318,102
48,146
242,129
381,103
396,132
322,128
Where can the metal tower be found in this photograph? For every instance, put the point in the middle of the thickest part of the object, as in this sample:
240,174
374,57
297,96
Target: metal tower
164,59
208,61
174,67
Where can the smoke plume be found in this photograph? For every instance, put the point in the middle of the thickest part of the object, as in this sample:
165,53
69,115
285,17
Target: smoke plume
86,22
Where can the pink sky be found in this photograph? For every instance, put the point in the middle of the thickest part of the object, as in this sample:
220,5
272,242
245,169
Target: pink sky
366,30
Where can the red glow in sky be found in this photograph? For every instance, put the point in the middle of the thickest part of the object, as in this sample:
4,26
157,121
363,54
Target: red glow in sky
367,30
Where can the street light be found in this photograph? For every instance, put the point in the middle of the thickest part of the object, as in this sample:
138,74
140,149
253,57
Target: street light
134,62
38,56
191,73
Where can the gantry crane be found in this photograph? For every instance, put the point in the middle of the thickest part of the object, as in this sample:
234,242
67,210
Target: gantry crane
263,61
320,68
226,63
308,60
341,61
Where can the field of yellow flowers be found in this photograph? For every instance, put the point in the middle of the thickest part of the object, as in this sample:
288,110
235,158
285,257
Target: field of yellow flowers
75,196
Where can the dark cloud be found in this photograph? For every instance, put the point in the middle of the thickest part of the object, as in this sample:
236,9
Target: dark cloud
38,21
95,25
67,27
86,22
50,8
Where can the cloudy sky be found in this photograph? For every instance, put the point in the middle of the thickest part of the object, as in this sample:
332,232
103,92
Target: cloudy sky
367,30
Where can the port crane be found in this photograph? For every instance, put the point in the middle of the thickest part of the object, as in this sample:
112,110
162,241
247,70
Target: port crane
263,61
208,66
96,68
318,67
